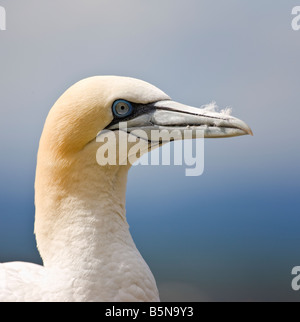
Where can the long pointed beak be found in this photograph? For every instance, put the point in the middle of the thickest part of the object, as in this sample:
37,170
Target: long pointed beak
214,124
172,116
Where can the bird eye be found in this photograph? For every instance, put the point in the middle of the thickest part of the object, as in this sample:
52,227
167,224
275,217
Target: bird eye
122,108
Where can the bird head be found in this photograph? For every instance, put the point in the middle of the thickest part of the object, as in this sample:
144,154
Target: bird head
131,106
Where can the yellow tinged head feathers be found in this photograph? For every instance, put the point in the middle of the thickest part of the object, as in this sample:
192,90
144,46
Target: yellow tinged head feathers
85,109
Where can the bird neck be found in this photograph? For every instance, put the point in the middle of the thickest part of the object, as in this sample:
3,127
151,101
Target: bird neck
77,201
81,226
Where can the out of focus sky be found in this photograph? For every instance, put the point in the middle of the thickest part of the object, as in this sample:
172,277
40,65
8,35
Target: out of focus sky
232,234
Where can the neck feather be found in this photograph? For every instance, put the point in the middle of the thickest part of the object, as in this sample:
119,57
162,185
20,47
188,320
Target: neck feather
81,228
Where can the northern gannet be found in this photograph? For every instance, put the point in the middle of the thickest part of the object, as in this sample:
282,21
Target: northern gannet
80,223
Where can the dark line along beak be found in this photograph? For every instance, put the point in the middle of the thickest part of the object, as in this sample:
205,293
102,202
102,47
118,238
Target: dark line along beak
172,116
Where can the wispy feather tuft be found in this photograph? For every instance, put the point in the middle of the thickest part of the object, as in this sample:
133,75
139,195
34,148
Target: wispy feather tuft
213,107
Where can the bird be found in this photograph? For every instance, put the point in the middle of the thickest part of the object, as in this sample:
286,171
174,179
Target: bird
80,225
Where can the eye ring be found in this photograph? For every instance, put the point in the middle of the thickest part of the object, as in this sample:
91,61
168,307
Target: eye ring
122,108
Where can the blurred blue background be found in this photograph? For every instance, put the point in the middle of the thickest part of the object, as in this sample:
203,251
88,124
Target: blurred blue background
230,234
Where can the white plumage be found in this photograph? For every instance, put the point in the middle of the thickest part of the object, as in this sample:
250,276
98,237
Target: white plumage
81,228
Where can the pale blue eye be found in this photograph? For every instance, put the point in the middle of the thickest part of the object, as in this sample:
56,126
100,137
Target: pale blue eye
122,108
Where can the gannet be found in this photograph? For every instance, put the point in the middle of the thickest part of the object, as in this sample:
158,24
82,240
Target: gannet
80,223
